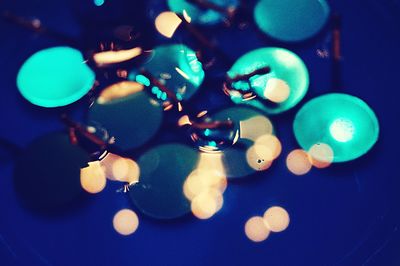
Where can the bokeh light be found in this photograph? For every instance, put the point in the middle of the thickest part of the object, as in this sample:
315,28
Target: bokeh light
298,162
277,219
321,155
121,169
207,203
255,127
119,90
256,229
125,222
167,23
93,178
113,57
205,186
277,90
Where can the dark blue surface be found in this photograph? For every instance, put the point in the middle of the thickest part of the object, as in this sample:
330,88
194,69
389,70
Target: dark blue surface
347,214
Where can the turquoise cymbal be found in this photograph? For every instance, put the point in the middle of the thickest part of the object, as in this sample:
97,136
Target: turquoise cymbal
55,77
277,91
163,171
176,67
344,122
201,15
291,20
127,113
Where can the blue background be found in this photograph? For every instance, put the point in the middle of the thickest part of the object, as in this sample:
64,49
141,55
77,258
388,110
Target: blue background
347,214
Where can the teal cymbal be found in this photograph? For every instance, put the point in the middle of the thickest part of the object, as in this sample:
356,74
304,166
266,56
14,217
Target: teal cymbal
176,67
277,91
291,20
54,77
201,15
163,171
127,113
343,122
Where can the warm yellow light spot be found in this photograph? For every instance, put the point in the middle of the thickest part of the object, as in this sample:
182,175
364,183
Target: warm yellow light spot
186,16
211,161
113,57
206,204
277,90
184,120
268,145
121,169
119,90
201,180
93,178
125,222
167,23
277,219
256,229
182,73
259,159
255,127
321,155
298,162
342,130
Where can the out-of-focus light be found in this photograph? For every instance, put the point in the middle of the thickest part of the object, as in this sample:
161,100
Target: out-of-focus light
256,229
321,155
344,122
184,120
55,77
277,90
121,169
93,178
255,127
298,162
125,222
206,204
202,180
186,16
277,219
268,145
167,23
98,2
119,90
342,130
258,158
205,186
113,57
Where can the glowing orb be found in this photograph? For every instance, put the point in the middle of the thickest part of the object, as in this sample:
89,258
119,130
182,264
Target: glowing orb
277,219
256,229
125,222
